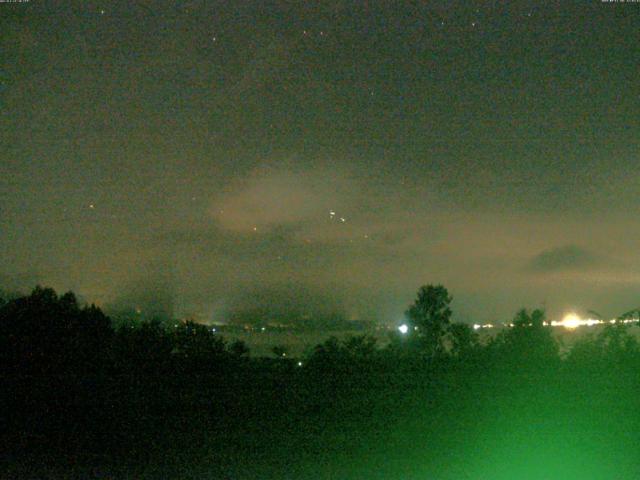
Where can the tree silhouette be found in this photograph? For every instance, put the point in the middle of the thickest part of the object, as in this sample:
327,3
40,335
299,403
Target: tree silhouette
143,348
328,350
528,343
351,354
613,346
360,347
464,341
197,346
43,332
431,314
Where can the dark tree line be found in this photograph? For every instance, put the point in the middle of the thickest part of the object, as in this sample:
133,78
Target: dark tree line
45,333
75,385
48,333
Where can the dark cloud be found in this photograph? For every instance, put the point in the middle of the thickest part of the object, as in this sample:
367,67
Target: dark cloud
190,155
565,258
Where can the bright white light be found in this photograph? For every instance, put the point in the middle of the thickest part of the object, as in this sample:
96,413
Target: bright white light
299,364
404,328
477,326
571,320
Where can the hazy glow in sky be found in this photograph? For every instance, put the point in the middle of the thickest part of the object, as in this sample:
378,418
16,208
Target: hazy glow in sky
208,158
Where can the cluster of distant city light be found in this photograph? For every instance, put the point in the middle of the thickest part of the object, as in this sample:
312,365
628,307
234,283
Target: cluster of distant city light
571,321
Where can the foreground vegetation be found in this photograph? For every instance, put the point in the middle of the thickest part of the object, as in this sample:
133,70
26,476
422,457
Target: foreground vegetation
81,399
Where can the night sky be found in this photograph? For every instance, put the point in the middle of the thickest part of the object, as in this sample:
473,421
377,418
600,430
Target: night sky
213,157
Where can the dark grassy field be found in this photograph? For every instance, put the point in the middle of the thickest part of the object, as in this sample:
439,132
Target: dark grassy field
275,421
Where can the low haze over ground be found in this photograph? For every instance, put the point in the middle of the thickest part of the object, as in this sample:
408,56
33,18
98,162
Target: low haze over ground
216,156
